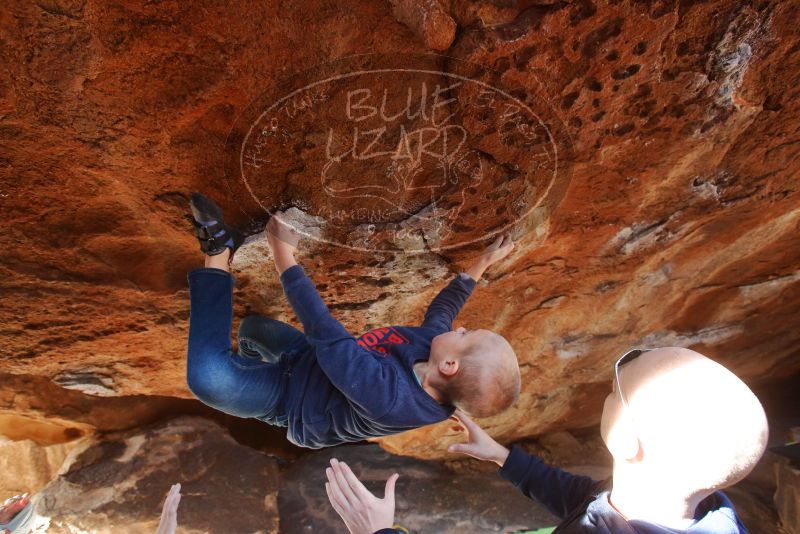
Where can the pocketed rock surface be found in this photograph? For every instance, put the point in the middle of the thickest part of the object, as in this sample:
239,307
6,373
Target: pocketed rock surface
643,154
118,483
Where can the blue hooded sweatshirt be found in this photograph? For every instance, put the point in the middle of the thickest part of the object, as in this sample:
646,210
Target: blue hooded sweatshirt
342,389
583,505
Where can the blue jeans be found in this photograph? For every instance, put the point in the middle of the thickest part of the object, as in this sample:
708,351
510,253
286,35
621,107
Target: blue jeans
251,383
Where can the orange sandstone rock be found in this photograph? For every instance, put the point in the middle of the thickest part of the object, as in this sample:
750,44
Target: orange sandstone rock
645,156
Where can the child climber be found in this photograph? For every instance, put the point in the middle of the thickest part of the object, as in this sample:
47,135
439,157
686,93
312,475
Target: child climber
325,385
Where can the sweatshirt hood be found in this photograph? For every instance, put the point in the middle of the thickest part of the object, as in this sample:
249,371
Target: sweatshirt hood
715,515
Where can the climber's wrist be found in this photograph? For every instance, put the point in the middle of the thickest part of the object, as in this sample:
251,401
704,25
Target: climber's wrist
283,260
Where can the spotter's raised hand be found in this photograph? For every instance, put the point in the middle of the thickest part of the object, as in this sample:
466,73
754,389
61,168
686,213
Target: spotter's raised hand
479,444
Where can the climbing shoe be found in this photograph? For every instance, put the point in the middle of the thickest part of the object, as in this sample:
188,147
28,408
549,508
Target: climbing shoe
212,232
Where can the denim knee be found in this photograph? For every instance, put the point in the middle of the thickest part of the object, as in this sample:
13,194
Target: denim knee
211,384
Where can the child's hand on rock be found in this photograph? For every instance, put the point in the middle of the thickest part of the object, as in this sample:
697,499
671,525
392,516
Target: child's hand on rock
498,250
495,252
280,234
282,240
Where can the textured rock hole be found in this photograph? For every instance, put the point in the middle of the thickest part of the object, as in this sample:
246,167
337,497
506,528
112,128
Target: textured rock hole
502,64
599,36
623,129
41,431
661,10
612,56
593,85
772,103
646,108
458,227
523,57
683,48
676,110
640,48
569,99
521,94
670,74
627,72
608,285
582,11
643,90
690,128
707,126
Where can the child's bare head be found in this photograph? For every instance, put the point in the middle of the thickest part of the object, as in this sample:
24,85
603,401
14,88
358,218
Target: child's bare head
476,371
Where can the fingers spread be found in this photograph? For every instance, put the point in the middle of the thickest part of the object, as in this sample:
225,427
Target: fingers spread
355,484
338,501
173,499
465,420
333,499
341,478
389,491
462,418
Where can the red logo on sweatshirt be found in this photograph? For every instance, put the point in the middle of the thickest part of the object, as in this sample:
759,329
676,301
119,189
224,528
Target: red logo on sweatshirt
382,339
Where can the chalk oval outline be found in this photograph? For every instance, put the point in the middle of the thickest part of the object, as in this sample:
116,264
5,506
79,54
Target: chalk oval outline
459,244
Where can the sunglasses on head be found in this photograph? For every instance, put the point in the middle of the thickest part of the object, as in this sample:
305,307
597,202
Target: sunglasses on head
628,357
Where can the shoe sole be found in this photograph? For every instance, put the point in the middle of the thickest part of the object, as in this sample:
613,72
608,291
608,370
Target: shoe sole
204,209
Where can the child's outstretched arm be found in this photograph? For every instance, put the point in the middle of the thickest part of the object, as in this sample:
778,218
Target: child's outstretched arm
445,306
352,370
